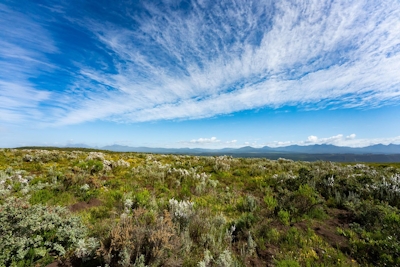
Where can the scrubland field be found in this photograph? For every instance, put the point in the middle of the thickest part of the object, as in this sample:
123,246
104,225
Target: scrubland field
96,208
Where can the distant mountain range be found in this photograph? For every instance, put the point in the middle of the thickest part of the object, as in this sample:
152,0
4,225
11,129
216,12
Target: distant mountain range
311,149
376,153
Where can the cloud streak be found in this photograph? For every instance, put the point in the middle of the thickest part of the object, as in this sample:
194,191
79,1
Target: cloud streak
23,47
169,62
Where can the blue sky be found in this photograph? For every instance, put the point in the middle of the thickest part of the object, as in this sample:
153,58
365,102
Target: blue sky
199,73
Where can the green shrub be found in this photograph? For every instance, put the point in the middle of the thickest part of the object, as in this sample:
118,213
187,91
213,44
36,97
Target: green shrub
41,196
89,194
378,226
141,199
284,217
97,213
305,198
287,263
273,236
244,223
271,203
248,204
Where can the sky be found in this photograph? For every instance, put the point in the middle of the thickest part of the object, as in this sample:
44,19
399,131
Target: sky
199,73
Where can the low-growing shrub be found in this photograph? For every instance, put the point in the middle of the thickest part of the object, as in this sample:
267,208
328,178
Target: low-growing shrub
244,223
248,211
284,217
378,227
287,263
248,204
271,203
41,196
30,233
140,239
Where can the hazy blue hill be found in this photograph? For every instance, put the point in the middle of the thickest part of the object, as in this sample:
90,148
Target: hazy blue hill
267,149
331,149
292,148
246,149
375,153
385,149
120,148
78,145
311,149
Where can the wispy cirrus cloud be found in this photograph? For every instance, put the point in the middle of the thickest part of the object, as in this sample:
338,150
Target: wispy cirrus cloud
200,62
167,61
24,44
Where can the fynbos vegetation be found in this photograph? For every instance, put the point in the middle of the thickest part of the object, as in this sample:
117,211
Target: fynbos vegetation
82,208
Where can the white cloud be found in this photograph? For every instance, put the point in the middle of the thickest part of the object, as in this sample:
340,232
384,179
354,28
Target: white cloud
332,139
199,63
23,48
205,140
312,139
351,137
251,143
373,141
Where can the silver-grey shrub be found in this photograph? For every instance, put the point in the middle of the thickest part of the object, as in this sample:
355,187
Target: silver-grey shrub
31,232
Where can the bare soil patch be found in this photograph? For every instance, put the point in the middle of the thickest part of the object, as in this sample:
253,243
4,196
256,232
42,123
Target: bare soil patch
53,264
266,256
94,202
328,229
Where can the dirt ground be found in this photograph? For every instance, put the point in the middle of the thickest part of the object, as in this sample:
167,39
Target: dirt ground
94,202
